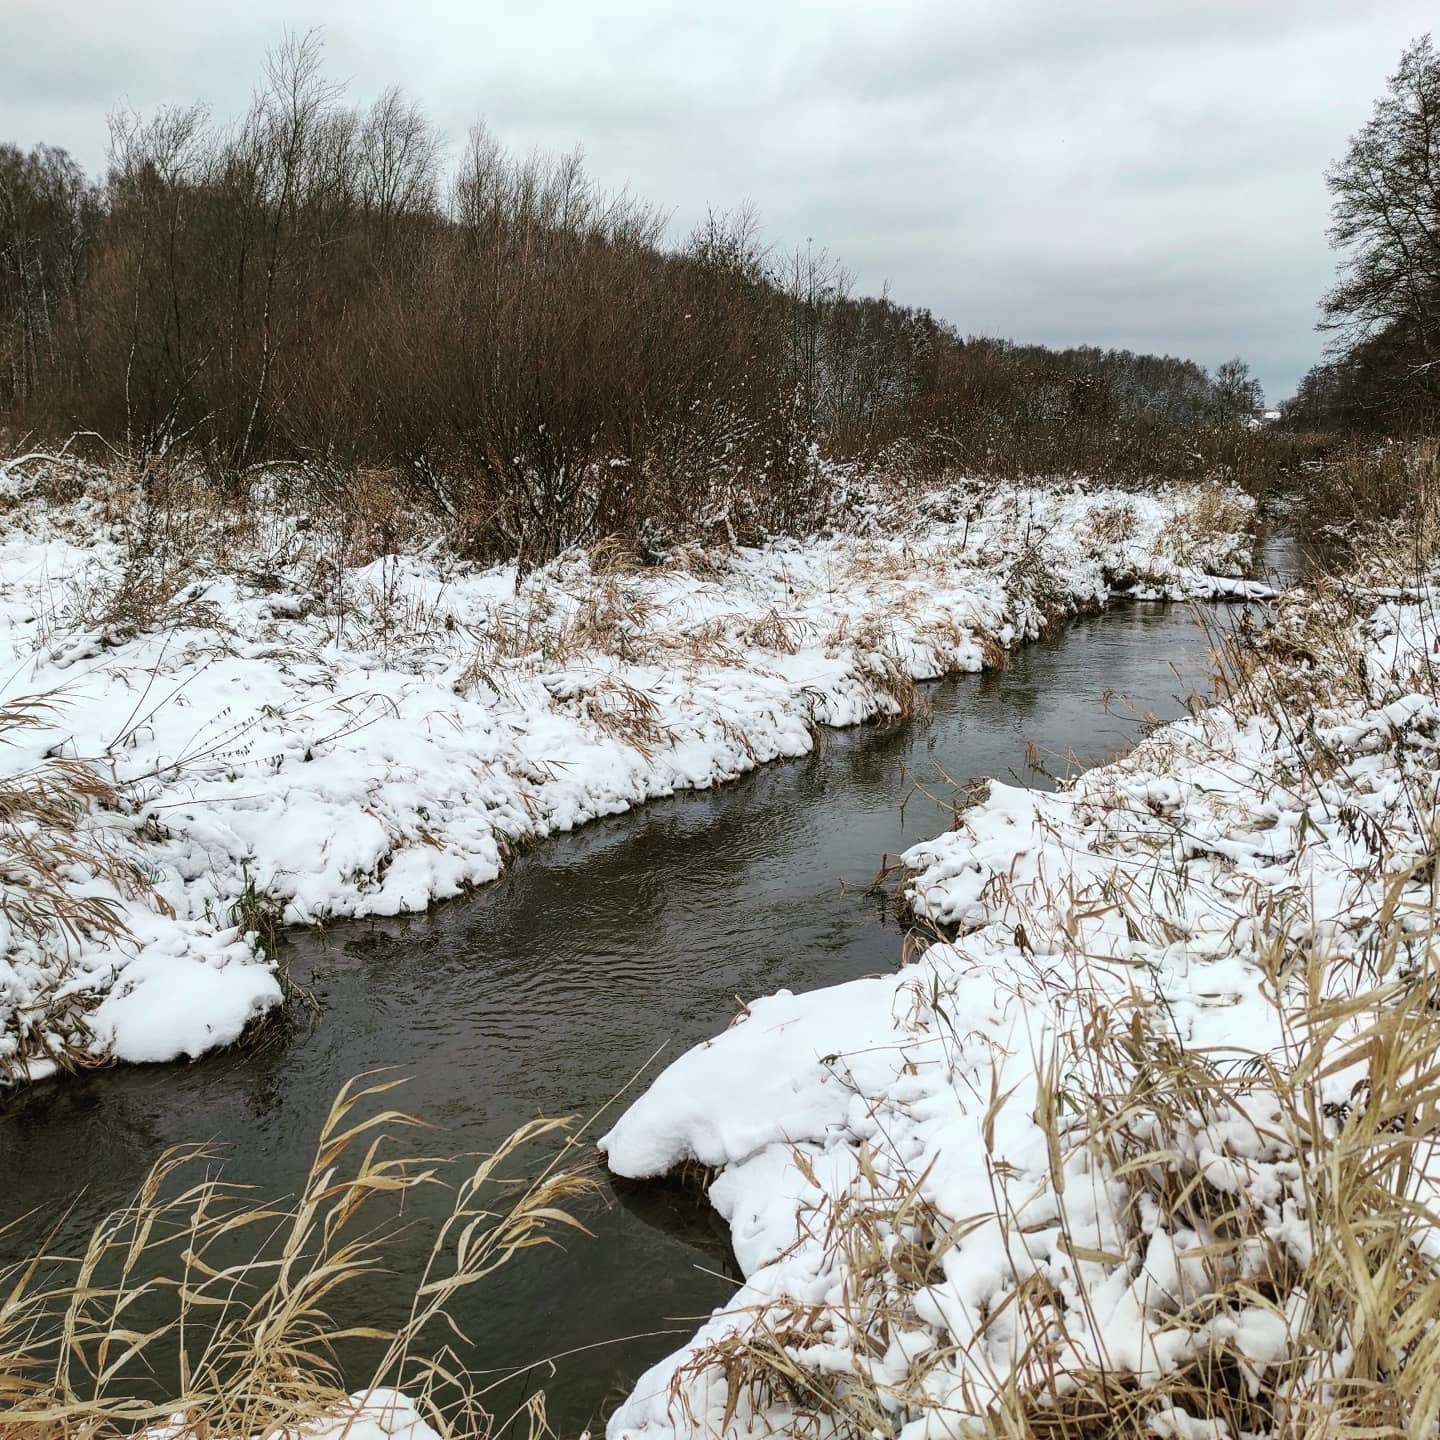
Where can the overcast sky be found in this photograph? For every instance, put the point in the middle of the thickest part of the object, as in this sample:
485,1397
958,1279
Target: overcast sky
1141,173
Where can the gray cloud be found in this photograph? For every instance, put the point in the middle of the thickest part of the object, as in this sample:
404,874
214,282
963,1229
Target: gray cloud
1119,172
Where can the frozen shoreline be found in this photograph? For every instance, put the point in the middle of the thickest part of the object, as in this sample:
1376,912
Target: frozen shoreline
894,1155
290,739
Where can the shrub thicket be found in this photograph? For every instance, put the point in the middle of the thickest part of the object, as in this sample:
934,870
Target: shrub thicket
523,351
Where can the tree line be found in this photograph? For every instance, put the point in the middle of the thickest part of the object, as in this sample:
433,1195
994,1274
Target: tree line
515,346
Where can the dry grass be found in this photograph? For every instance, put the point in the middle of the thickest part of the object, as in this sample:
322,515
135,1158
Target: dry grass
175,526
1358,491
773,631
627,713
1353,1293
539,630
243,1290
1395,554
878,667
1351,1290
1031,583
611,618
1113,524
1213,514
43,808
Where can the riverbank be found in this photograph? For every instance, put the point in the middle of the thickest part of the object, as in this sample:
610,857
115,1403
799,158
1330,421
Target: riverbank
1146,1133
221,721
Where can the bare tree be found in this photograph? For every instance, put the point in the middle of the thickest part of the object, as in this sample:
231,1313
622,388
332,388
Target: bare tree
400,159
153,166
1386,213
286,120
1237,392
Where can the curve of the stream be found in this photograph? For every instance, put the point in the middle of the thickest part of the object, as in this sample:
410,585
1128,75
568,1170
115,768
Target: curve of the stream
547,992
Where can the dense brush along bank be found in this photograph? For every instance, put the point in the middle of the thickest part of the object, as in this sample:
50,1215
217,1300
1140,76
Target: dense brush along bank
626,940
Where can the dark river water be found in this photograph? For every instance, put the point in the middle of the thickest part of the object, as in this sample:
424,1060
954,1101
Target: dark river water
547,992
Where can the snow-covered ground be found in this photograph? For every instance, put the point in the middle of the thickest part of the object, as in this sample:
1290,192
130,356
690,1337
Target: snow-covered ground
925,1196
289,734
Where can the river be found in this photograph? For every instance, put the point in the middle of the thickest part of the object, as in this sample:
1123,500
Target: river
548,991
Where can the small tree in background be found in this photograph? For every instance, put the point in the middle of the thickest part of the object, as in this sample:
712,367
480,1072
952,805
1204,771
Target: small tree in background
1237,392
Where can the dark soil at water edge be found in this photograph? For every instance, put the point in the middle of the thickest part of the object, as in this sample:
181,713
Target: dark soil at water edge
548,992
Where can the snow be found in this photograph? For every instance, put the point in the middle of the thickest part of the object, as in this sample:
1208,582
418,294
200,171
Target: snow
375,1414
295,733
1164,883
169,1005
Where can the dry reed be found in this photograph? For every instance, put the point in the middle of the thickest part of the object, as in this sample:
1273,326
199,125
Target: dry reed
232,1296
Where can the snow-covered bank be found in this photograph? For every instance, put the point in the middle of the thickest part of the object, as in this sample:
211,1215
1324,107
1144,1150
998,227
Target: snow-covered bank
1089,1151
283,733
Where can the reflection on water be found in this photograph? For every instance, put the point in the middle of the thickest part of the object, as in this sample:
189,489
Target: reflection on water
546,993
